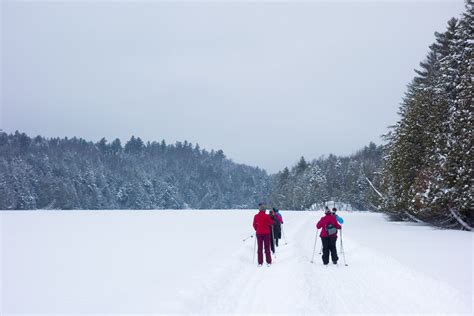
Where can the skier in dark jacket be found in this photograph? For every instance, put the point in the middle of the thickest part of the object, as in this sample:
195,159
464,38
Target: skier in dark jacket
329,227
275,233
276,226
278,215
262,224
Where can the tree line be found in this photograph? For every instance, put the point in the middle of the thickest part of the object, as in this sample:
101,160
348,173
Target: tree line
62,173
72,173
329,178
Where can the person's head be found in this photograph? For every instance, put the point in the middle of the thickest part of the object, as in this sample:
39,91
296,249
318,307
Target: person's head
272,212
261,207
334,210
327,210
274,209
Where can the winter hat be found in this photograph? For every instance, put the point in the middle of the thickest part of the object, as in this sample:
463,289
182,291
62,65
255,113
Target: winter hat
334,210
327,210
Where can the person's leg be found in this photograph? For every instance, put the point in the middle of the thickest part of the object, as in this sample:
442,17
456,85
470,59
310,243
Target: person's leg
325,256
267,248
260,248
272,245
277,234
332,248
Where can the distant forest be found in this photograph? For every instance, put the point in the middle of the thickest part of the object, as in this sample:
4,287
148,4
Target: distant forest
40,173
63,173
329,178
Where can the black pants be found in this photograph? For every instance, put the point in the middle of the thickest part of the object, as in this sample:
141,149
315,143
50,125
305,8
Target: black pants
276,233
272,244
329,245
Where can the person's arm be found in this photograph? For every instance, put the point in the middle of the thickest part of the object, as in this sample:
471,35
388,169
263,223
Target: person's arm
336,224
339,219
255,223
319,224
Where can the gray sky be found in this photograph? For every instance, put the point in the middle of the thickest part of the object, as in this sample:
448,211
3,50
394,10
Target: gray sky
265,82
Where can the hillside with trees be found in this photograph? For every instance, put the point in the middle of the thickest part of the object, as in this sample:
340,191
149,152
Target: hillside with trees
41,173
329,178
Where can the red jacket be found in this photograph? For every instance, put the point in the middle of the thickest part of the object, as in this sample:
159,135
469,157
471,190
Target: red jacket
326,220
262,223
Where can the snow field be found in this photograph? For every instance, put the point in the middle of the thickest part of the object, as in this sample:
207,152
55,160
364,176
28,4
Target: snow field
196,262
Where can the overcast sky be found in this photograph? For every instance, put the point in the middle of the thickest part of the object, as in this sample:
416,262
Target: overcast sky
265,82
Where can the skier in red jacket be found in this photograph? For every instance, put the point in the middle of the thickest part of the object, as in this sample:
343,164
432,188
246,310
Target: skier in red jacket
329,227
262,224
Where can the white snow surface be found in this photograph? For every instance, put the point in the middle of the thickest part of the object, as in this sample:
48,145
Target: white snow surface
133,262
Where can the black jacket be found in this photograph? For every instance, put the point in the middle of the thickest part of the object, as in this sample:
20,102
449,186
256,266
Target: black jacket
276,227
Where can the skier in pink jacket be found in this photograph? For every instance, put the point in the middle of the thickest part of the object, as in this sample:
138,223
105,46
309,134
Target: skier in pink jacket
329,226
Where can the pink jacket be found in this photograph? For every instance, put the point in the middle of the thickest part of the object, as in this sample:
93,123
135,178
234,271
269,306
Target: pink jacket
326,220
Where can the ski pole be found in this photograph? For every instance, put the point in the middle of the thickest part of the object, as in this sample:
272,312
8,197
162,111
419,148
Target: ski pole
251,236
314,248
284,237
342,250
321,250
254,246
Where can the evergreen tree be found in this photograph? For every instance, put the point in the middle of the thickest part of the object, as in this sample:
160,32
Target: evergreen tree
428,167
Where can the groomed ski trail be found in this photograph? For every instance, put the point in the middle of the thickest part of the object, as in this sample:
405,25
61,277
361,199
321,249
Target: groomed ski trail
195,262
372,283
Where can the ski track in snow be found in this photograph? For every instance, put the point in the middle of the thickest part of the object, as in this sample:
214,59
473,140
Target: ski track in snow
372,283
194,262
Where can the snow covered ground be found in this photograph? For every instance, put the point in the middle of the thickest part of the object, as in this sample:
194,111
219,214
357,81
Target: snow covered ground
196,262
